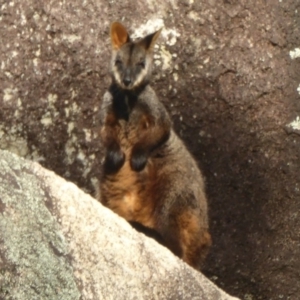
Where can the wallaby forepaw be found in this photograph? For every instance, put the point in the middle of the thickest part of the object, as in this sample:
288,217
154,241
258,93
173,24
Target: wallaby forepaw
138,161
114,161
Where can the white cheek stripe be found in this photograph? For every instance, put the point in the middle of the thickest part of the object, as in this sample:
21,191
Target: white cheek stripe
117,76
140,77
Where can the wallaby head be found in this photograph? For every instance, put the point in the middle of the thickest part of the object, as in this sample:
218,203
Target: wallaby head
131,61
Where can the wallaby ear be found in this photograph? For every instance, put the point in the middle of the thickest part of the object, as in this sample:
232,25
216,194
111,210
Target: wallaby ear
149,41
119,35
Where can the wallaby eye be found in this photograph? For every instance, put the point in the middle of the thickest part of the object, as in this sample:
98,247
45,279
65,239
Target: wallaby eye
118,62
141,64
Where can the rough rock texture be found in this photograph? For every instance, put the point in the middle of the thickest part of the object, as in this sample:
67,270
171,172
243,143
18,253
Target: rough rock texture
229,73
57,242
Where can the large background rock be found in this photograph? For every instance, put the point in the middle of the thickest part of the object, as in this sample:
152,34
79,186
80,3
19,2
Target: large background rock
57,242
227,71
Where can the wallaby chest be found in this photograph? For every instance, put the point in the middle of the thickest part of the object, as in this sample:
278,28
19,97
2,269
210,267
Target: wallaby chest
127,191
132,119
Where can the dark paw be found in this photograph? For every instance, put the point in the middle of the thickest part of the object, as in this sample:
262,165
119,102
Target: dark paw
138,160
114,161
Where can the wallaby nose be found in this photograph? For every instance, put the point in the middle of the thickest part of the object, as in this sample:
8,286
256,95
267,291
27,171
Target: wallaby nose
127,81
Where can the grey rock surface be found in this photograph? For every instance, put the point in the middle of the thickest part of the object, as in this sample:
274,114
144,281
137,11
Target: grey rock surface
57,242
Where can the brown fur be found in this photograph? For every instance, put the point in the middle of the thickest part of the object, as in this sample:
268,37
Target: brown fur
149,177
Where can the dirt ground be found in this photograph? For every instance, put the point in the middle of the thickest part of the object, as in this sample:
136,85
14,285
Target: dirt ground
230,87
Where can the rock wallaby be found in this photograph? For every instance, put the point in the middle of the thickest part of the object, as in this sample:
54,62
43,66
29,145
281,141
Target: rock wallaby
149,177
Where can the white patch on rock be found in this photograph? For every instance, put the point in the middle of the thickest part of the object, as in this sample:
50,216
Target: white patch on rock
12,142
38,52
23,20
295,124
166,58
67,112
46,120
95,184
35,62
157,62
71,126
81,157
74,107
193,15
52,98
295,53
35,156
71,38
249,296
17,114
70,150
298,89
152,25
8,74
74,94
86,172
36,16
206,61
8,94
170,35
88,135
